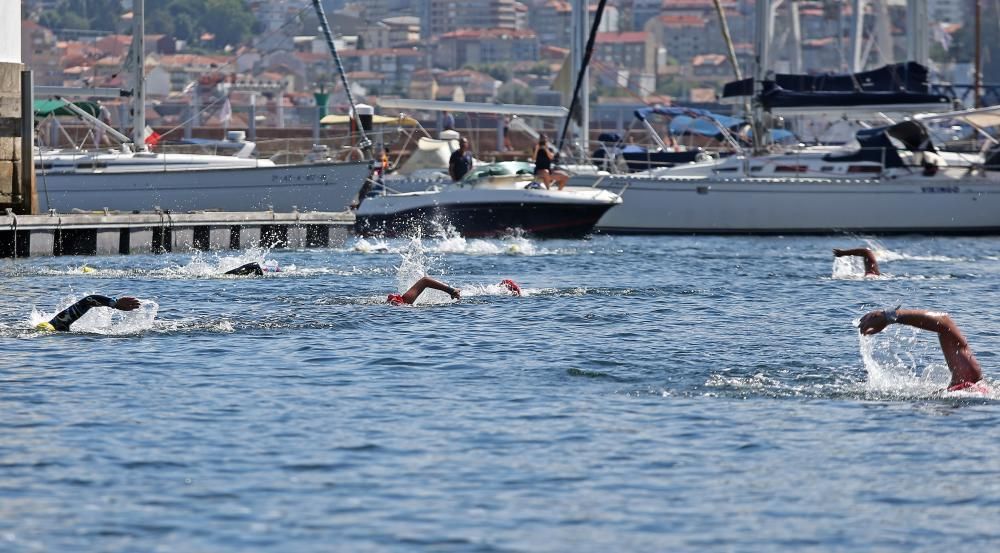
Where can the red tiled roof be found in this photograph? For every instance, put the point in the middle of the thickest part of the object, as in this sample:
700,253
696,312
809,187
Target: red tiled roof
682,20
401,52
709,59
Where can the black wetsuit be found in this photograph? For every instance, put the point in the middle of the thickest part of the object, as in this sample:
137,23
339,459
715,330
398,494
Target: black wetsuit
68,316
248,269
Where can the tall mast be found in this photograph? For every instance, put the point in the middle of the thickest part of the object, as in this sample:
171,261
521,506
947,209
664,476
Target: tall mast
916,32
762,60
977,70
581,23
139,92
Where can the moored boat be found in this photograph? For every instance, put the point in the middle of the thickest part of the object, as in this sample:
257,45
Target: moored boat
492,200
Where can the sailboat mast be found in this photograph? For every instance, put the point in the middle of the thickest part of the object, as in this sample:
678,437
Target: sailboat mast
762,59
977,70
139,93
582,24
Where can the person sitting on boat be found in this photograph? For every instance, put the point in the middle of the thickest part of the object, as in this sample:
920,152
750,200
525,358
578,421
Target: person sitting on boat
460,162
965,371
418,287
543,164
871,265
62,321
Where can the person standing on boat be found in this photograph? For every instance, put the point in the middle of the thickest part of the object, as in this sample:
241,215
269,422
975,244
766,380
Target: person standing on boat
71,314
871,265
460,162
965,371
544,159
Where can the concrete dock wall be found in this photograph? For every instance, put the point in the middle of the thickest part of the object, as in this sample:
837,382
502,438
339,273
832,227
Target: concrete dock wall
124,234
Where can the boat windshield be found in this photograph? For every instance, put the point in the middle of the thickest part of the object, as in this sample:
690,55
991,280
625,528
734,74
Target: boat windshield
503,169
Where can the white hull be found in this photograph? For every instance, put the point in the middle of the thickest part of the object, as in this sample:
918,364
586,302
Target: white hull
775,205
314,187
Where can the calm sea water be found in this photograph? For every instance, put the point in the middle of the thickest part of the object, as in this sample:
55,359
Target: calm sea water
646,394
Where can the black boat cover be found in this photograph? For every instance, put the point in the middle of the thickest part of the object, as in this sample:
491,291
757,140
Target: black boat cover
898,83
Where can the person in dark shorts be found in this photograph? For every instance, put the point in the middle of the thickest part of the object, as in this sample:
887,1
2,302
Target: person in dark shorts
965,371
460,161
65,318
543,164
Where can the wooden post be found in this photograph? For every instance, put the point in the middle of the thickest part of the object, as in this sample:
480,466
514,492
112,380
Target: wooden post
29,194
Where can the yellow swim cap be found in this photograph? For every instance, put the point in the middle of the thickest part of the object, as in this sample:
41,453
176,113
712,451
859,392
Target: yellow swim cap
86,269
46,326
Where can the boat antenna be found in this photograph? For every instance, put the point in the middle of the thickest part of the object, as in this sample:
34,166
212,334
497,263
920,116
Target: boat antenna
587,53
365,144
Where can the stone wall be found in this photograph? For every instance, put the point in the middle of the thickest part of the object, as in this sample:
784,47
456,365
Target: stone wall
11,177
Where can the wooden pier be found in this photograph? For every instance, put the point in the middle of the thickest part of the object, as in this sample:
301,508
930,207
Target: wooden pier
158,232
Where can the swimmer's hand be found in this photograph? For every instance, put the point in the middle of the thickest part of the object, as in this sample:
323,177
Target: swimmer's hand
455,293
126,303
838,253
873,323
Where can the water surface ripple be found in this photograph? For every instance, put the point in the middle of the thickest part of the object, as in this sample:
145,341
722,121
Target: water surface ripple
646,394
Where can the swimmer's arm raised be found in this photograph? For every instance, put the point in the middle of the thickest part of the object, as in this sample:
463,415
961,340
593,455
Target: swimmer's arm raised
871,264
941,323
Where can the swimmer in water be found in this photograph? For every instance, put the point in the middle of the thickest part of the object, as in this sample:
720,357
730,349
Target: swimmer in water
424,283
418,287
249,269
871,265
965,371
68,316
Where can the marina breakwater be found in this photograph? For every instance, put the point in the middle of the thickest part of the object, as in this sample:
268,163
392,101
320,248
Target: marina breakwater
158,232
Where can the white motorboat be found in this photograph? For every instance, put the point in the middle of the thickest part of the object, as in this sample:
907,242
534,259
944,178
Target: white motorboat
492,200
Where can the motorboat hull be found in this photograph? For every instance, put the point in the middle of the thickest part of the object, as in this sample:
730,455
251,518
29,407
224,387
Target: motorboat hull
312,187
546,214
807,206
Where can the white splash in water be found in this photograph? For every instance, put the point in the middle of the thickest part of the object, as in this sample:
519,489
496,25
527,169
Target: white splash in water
848,267
891,360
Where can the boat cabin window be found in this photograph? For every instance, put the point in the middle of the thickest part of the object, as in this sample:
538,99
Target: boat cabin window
91,165
791,168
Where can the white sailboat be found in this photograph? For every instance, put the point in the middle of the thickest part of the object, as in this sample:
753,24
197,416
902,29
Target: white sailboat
894,180
132,178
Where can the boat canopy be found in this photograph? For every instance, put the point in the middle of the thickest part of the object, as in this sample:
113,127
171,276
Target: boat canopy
376,120
45,108
703,122
908,76
884,89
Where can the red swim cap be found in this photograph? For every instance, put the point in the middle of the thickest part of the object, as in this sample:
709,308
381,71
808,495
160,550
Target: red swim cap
395,299
512,286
